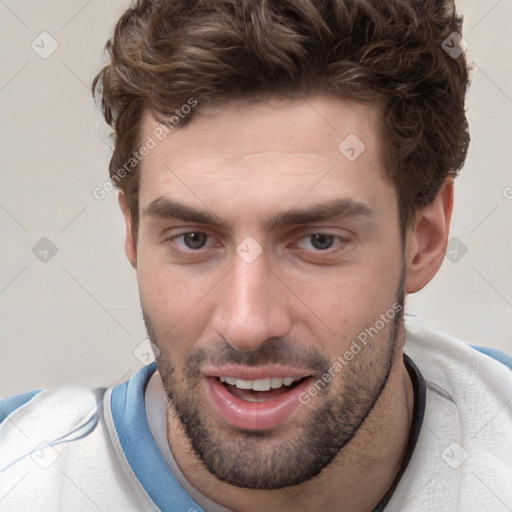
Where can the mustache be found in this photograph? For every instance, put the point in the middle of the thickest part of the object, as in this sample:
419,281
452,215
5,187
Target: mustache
271,351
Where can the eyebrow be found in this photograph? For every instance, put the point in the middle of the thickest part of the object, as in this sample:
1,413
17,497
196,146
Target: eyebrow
342,208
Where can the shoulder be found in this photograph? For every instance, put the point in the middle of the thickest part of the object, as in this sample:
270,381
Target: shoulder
10,404
445,357
39,434
496,354
464,450
46,417
477,380
471,388
56,450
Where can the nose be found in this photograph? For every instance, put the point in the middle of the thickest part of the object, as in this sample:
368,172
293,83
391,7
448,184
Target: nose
251,305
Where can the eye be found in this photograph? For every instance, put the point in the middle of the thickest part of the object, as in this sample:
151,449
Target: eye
318,241
193,240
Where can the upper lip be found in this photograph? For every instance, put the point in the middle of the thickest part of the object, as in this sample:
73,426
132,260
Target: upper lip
256,372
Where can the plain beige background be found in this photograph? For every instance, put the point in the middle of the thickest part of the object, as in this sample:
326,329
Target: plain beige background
76,316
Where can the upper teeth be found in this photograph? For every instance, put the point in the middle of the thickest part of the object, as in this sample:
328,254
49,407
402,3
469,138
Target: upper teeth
260,384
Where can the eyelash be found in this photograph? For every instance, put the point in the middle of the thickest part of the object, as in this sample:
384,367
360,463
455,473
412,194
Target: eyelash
330,250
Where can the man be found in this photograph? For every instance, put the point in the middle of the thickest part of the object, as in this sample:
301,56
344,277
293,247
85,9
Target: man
286,177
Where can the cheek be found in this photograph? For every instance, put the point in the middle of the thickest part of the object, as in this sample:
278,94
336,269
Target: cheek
176,299
158,290
349,299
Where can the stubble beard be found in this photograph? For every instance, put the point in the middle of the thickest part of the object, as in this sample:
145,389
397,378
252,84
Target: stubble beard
268,460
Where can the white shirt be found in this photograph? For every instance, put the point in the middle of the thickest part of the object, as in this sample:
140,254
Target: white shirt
71,449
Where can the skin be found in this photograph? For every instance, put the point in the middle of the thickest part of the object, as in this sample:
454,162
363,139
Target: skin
244,162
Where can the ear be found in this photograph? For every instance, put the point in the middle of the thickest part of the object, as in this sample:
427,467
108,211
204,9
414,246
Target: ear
426,242
129,243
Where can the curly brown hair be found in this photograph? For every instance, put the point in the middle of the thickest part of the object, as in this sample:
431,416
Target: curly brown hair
165,52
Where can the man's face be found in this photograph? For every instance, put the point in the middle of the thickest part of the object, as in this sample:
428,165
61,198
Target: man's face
264,251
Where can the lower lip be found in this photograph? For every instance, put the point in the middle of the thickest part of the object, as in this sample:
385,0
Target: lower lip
254,415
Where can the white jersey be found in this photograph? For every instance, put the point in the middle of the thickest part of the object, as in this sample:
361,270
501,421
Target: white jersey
71,449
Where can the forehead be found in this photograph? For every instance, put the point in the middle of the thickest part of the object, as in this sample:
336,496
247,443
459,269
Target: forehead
317,123
271,150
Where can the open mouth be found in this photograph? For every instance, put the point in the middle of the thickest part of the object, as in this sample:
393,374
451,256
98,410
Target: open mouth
257,404
260,390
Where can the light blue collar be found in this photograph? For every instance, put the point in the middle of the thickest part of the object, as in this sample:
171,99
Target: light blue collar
140,449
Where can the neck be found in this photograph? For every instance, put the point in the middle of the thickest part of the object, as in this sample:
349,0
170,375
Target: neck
357,479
